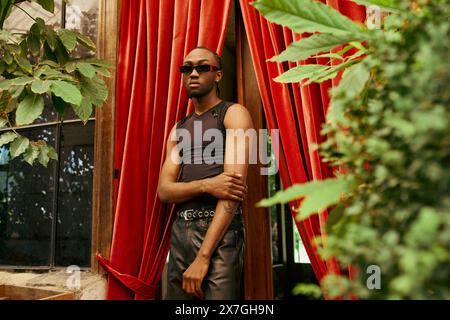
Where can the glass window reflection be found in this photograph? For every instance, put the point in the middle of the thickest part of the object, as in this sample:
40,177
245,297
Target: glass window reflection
26,211
19,22
75,195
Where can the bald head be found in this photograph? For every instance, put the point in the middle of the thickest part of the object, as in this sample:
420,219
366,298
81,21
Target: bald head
205,54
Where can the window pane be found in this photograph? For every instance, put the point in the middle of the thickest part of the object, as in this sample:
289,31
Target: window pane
73,245
82,15
20,22
26,210
300,254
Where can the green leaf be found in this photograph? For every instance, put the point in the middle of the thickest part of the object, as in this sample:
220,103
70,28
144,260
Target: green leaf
308,289
3,122
29,109
329,55
67,91
104,72
95,90
23,46
300,73
84,111
15,49
329,73
43,157
334,217
52,153
403,127
386,4
8,58
305,48
41,23
318,195
100,63
357,45
424,229
7,103
5,85
7,137
40,86
86,41
48,71
18,146
306,16
51,38
50,63
24,64
86,69
34,39
22,81
61,53
68,38
4,35
11,68
70,66
353,82
31,154
48,5
16,91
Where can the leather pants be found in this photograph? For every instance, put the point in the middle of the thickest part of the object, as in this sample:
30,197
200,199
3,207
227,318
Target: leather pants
222,282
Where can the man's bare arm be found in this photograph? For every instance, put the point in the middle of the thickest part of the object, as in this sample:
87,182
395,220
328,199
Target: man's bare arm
237,117
224,186
169,190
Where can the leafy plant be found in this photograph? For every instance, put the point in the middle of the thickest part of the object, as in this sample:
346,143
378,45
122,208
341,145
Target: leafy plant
387,135
39,68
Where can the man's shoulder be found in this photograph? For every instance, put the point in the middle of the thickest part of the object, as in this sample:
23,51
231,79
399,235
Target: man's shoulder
237,116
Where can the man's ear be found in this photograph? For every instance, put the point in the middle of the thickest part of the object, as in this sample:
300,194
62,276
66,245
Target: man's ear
219,75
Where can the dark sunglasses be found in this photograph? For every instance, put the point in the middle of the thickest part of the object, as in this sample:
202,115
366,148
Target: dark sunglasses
201,68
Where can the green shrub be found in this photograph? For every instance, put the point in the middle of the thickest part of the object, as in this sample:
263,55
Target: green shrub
39,68
388,131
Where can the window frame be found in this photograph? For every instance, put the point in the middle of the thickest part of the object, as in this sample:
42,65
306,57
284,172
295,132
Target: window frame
104,142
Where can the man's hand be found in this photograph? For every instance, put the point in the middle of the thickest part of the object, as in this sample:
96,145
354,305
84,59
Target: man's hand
226,186
194,275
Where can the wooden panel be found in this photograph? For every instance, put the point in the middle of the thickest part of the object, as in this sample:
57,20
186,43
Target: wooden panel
27,293
258,262
103,185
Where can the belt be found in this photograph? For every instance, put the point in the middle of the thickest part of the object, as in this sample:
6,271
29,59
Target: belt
192,214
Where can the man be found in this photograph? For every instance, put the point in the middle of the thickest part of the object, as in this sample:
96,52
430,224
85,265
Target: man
206,253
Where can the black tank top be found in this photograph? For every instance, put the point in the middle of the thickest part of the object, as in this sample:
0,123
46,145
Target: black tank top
196,163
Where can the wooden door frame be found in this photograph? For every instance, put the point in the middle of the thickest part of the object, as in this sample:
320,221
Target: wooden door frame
258,282
103,184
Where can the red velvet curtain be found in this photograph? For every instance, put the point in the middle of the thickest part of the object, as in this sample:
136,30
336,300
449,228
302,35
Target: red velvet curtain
298,112
154,38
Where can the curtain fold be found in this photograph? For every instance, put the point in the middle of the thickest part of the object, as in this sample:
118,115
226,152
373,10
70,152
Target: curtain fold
154,38
298,112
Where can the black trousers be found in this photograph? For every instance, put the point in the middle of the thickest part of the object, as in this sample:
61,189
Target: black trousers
223,280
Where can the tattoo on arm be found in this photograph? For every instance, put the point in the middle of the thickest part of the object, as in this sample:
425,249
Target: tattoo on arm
229,206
